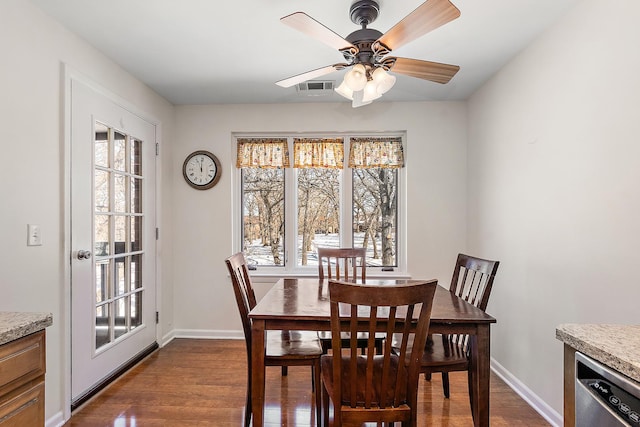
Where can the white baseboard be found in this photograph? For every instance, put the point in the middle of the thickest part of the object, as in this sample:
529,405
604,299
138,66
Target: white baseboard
56,421
210,334
539,405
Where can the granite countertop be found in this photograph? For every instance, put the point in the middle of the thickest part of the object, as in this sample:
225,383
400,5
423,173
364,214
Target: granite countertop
617,346
14,325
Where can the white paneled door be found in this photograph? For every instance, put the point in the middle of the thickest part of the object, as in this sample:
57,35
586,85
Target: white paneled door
113,258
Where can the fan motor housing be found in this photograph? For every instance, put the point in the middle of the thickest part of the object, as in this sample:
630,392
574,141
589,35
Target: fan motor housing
364,12
363,39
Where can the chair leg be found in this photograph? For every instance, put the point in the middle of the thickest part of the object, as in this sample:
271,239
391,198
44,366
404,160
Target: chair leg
285,371
325,406
445,384
315,380
247,405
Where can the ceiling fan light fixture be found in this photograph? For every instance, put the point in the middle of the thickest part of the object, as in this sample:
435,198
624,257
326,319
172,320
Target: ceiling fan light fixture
356,78
345,91
358,99
384,81
371,91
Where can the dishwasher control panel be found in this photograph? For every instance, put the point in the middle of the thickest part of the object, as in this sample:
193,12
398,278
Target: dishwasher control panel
611,393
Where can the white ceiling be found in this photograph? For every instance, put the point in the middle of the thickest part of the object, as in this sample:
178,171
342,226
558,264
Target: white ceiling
220,52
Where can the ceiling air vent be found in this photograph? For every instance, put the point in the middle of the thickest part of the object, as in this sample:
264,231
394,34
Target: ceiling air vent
315,88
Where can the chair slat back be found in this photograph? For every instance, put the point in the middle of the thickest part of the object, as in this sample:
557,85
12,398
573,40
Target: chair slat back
243,290
371,382
345,264
472,281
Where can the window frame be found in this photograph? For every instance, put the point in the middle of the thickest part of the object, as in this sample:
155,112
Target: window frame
290,269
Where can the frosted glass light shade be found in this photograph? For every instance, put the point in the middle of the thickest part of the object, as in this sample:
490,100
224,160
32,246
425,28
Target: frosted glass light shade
344,90
371,91
358,99
356,78
384,80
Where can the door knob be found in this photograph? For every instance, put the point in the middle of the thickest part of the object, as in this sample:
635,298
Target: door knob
82,254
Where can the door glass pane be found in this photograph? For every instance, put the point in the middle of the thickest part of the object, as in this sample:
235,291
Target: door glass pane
375,204
102,280
136,233
101,242
119,151
120,317
101,190
136,157
136,195
136,271
136,309
120,193
103,325
120,282
318,212
120,234
263,216
102,145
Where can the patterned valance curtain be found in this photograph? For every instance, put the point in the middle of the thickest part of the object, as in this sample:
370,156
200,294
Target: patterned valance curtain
263,153
376,153
318,153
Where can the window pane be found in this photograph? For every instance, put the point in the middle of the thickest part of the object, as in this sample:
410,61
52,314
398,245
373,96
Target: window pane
120,244
101,190
102,281
136,195
102,145
318,212
263,216
103,333
120,193
136,309
120,317
136,271
136,157
101,235
119,151
120,279
375,202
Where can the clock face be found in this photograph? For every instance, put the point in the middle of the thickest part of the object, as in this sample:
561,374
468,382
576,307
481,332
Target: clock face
201,169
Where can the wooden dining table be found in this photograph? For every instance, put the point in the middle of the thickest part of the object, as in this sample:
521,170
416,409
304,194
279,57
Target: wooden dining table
303,304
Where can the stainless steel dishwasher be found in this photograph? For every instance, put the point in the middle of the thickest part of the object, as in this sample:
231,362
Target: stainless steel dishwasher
604,397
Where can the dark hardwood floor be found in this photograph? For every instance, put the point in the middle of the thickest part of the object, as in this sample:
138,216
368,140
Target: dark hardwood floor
202,383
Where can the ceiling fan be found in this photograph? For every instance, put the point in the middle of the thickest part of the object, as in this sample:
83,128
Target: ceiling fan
366,50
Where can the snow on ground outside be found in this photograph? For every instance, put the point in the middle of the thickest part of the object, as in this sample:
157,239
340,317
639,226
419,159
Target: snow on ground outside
261,255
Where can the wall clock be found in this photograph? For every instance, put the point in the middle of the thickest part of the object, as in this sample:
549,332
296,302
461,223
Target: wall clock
201,170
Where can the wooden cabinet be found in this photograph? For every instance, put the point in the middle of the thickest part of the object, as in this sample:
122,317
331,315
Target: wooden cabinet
22,369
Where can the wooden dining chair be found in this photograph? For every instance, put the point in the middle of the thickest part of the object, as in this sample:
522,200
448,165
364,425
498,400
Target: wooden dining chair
376,387
283,348
348,265
472,281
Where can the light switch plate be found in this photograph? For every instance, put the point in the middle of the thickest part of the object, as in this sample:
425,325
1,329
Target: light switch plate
34,237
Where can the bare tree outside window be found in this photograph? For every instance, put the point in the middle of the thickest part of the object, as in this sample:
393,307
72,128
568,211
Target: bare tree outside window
263,215
318,211
375,204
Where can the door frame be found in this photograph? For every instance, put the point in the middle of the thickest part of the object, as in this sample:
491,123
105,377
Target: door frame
68,75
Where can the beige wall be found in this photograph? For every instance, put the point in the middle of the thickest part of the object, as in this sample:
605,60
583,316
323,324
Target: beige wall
553,187
31,165
436,181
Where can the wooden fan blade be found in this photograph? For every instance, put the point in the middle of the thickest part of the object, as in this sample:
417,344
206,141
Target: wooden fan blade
291,81
306,24
433,71
427,17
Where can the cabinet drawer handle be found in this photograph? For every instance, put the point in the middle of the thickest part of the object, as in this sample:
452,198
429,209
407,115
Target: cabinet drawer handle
20,409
